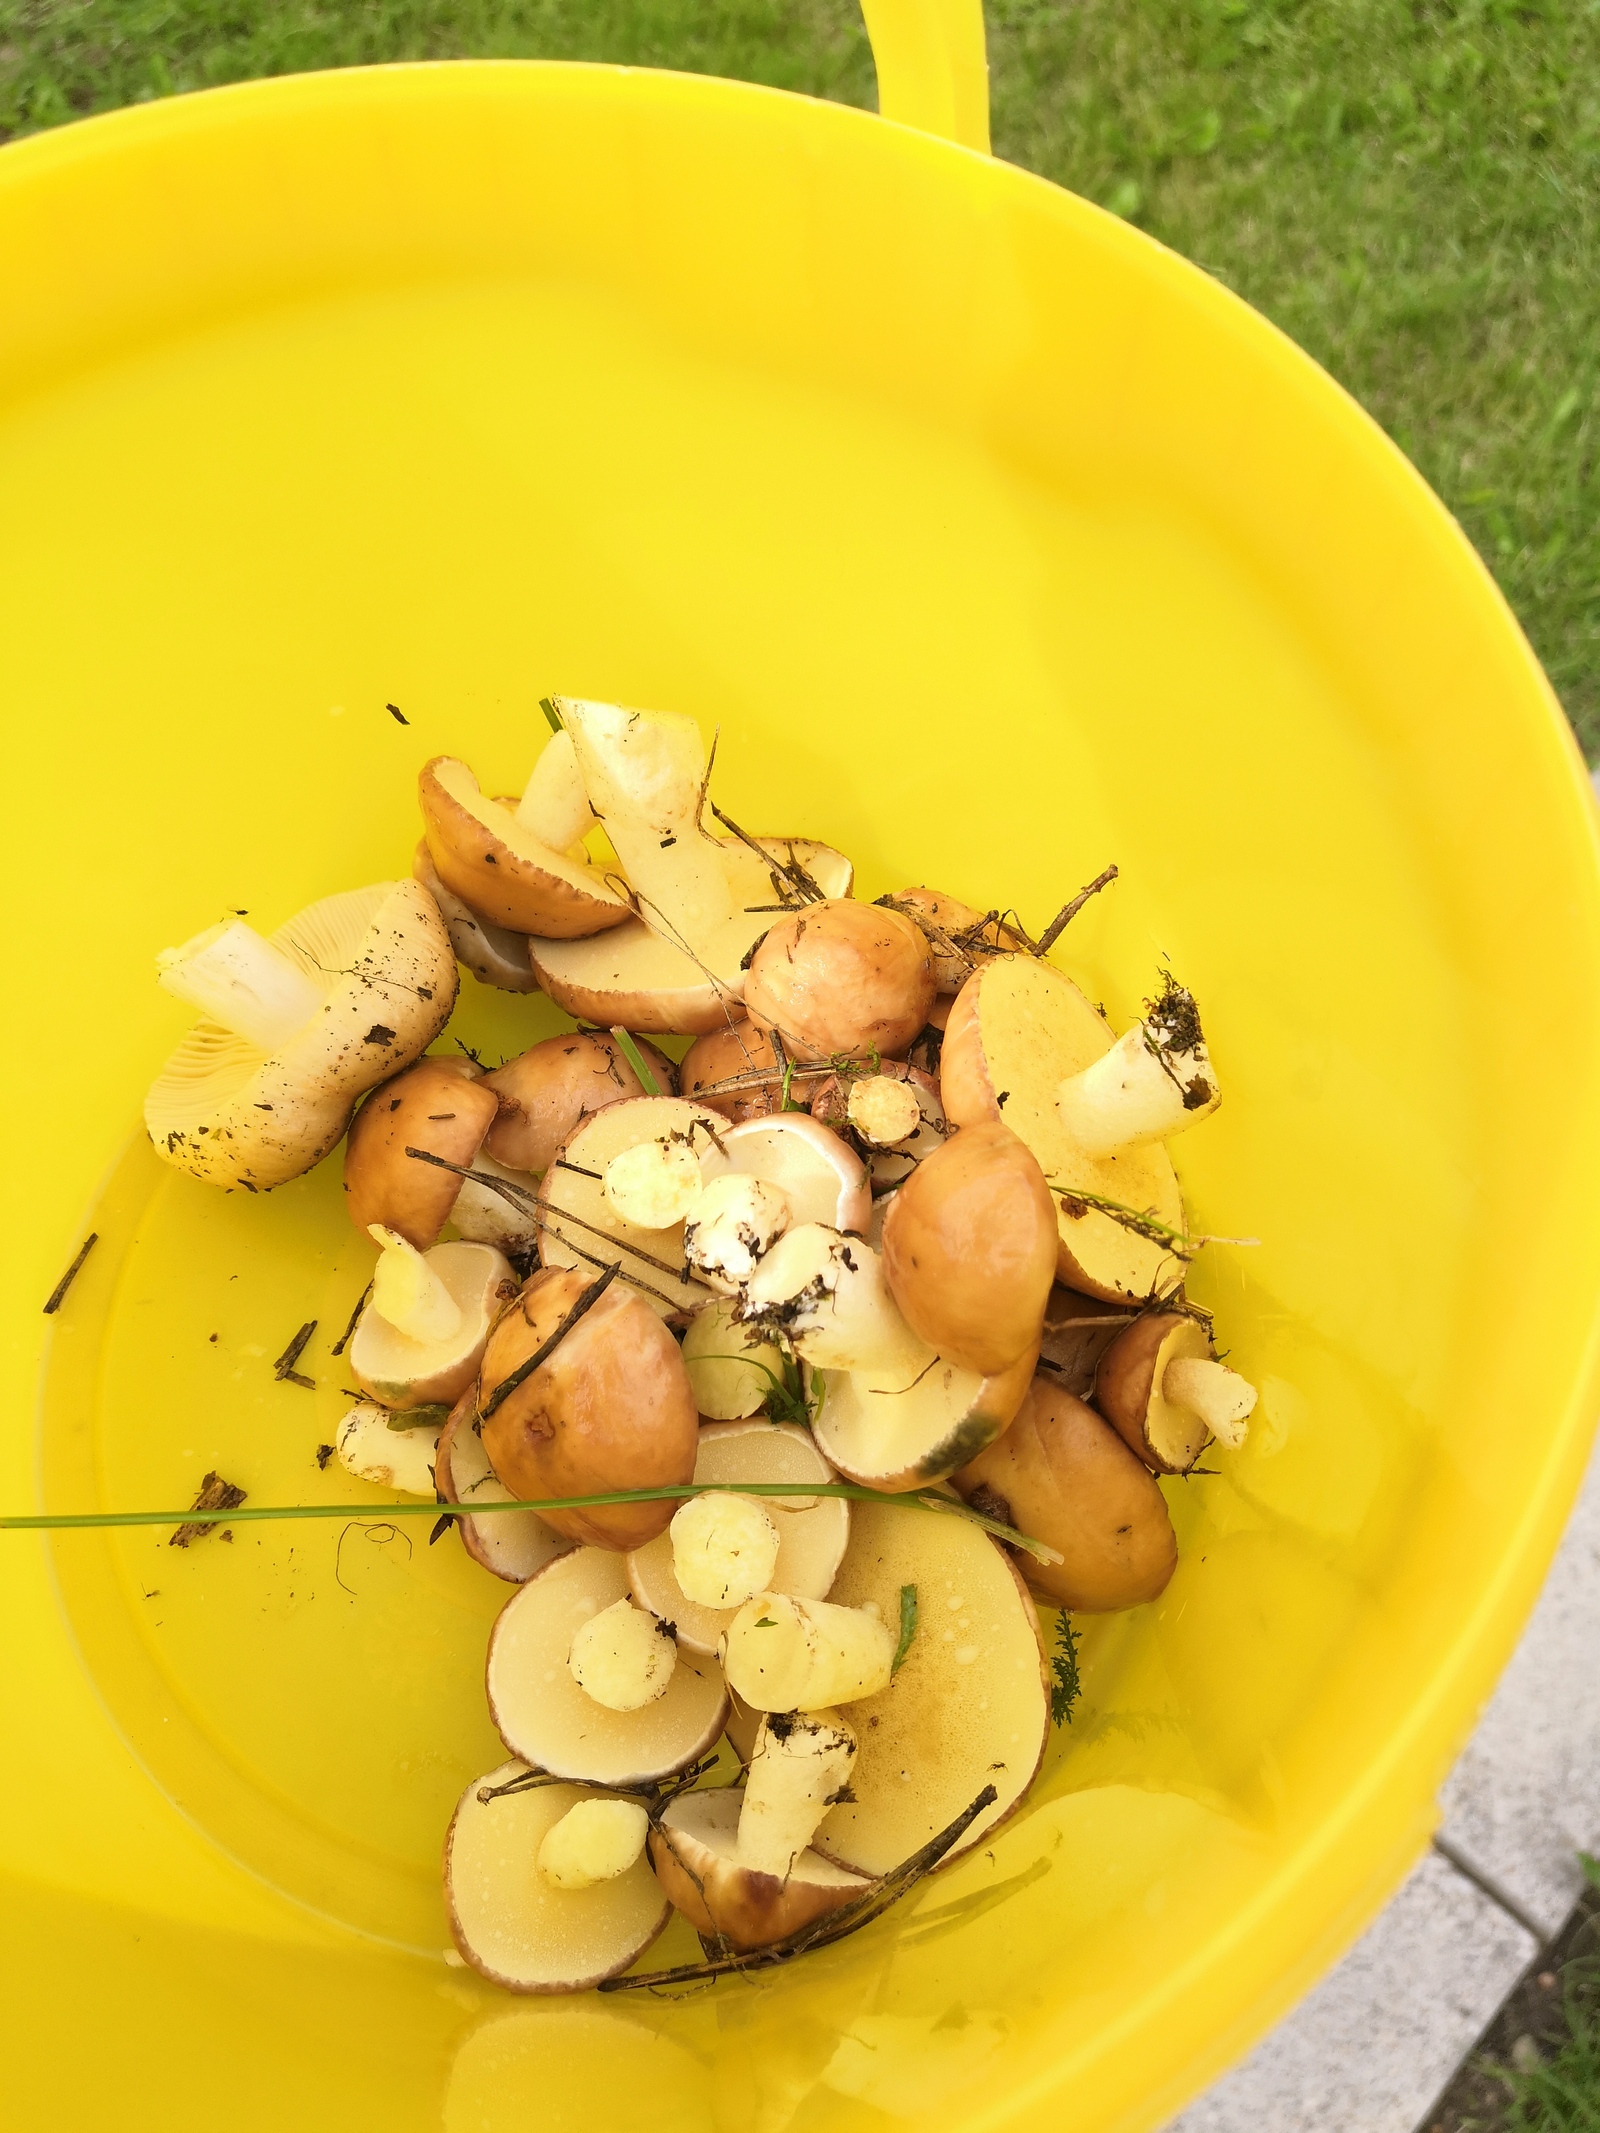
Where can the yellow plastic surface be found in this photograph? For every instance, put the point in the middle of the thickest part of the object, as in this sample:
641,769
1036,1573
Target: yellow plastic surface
999,543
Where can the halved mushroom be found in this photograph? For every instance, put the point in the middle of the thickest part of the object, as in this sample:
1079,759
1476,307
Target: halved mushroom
494,955
1062,1475
502,870
967,1707
820,1176
731,1368
897,1431
582,1224
509,1544
1161,1387
734,1053
422,1335
1019,1026
545,1717
969,1249
811,1530
841,980
295,1028
695,1851
511,1920
438,1104
546,1093
371,1446
609,1408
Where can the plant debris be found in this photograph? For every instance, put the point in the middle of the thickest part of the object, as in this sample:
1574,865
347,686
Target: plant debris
215,1494
1065,1685
1069,911
283,1369
508,1385
397,714
346,1336
636,1059
908,1627
58,1295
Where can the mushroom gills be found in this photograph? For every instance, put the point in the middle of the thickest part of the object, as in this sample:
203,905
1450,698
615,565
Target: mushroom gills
891,1431
820,1176
554,805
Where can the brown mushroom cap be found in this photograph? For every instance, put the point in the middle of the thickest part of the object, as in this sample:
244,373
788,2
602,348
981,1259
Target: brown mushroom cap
1169,1439
694,1850
971,931
500,870
1077,1332
840,979
969,1248
612,1408
439,1105
737,1048
546,1091
1062,1475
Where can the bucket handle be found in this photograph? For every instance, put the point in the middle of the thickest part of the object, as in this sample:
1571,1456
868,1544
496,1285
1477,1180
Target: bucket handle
932,69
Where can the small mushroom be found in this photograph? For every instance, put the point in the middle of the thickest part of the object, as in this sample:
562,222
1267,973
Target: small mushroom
1156,1080
959,937
810,1531
841,980
782,1653
969,1249
546,1093
888,1163
1160,1386
544,1716
695,1851
509,1544
372,1448
609,1408
295,1028
502,870
494,955
526,1927
1077,1332
1062,1475
440,1105
730,1054
422,1335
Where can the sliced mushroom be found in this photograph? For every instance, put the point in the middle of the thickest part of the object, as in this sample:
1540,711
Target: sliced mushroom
511,1920
897,1431
372,1448
420,1340
501,870
295,1029
969,1249
821,1177
1062,1475
609,1409
543,1715
509,1544
732,1053
694,1849
1019,1026
438,1104
546,1093
812,1531
494,955
841,980
967,1707
1160,1386
888,1162
731,1368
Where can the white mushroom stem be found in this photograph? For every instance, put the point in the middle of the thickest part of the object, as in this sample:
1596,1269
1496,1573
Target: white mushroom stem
732,1225
883,1111
408,1293
724,1549
1222,1399
594,1841
484,1216
784,1654
236,978
800,1762
654,1184
622,1657
1139,1091
828,1295
554,804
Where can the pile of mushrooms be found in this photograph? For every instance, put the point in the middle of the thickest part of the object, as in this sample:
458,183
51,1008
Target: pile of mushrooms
901,1217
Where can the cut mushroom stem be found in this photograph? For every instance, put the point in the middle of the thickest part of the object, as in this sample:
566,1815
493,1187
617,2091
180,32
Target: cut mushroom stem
594,1841
236,978
724,1550
623,1657
733,1223
882,1110
653,1184
408,1292
1155,1081
554,805
788,1654
1222,1399
801,1763
827,1295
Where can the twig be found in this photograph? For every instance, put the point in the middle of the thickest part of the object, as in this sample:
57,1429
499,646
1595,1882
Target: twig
793,873
586,1302
283,1369
343,1341
58,1295
1069,911
217,1498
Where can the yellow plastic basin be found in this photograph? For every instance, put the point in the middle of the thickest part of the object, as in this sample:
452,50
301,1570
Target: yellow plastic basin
1000,544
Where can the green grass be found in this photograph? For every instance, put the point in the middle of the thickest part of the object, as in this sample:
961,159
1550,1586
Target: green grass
1411,188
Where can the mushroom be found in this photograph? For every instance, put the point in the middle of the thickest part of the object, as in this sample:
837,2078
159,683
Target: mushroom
969,1249
509,1544
393,1452
695,1851
781,1653
1018,1029
821,1177
826,1295
295,1028
442,1106
959,937
809,1532
583,1226
724,1550
1077,1332
519,1924
595,1841
1160,1385
731,1369
1155,1081
544,1716
609,1408
486,853
703,900
841,980
420,1338
494,955
1062,1475
546,1093
889,1162
968,1705
730,1054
